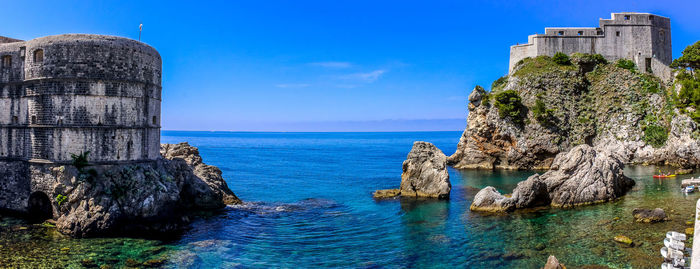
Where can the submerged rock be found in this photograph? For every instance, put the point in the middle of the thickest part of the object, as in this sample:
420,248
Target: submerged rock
649,215
144,198
424,174
624,240
579,177
553,263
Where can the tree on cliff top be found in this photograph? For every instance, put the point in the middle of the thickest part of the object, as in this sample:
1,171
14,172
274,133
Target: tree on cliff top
690,58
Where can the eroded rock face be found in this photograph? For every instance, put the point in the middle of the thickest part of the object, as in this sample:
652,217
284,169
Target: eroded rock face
425,172
209,174
145,198
579,177
606,108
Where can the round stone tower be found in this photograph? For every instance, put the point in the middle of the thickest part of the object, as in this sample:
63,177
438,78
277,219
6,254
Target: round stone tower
69,94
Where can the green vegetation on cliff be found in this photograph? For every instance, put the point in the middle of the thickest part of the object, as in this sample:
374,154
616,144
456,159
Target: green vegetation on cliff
688,99
510,105
561,59
589,97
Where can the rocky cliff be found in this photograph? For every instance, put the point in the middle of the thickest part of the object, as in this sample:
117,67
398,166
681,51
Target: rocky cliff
140,198
543,108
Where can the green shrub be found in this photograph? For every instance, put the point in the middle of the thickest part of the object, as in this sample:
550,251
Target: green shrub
543,115
626,64
499,83
510,105
649,83
81,160
60,198
561,59
655,135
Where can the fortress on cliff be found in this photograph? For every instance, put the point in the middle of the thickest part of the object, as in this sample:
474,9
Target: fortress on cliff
74,93
641,37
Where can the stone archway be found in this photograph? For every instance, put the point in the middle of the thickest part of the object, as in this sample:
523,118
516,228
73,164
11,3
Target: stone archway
39,207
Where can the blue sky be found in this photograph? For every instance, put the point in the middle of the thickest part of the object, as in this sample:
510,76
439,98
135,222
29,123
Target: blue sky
327,65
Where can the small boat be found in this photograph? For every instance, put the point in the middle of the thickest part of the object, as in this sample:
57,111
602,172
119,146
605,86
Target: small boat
671,254
673,244
675,236
664,176
689,189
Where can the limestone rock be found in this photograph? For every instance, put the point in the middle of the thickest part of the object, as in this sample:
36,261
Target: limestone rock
490,200
582,109
209,174
425,172
142,198
649,215
579,177
384,194
553,263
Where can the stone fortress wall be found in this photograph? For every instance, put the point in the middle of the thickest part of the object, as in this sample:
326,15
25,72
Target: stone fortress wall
68,94
642,37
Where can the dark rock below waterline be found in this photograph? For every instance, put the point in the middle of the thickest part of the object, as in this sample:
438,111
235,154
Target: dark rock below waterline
424,174
579,177
649,215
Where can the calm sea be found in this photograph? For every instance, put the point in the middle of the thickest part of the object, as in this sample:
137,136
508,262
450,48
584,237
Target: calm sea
309,204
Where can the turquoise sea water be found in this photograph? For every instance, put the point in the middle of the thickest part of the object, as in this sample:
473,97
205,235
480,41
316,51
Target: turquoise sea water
309,204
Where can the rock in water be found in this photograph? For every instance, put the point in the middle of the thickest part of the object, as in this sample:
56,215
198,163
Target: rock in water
209,174
384,194
624,240
553,263
579,177
425,172
143,198
649,215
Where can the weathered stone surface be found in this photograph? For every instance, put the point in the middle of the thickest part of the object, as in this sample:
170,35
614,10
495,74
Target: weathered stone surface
93,93
601,108
553,263
209,174
143,198
579,177
384,194
425,172
649,215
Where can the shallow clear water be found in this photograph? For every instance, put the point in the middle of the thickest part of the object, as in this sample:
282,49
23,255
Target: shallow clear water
309,204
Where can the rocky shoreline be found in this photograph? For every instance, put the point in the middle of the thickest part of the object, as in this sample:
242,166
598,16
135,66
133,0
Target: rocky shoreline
138,198
581,176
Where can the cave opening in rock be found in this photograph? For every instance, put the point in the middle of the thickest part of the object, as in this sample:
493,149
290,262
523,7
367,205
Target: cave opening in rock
39,207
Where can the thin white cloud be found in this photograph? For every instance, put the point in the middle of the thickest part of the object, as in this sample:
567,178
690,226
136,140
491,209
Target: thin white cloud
365,77
292,85
332,64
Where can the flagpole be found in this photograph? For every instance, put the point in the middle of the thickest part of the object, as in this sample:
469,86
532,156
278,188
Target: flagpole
140,28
